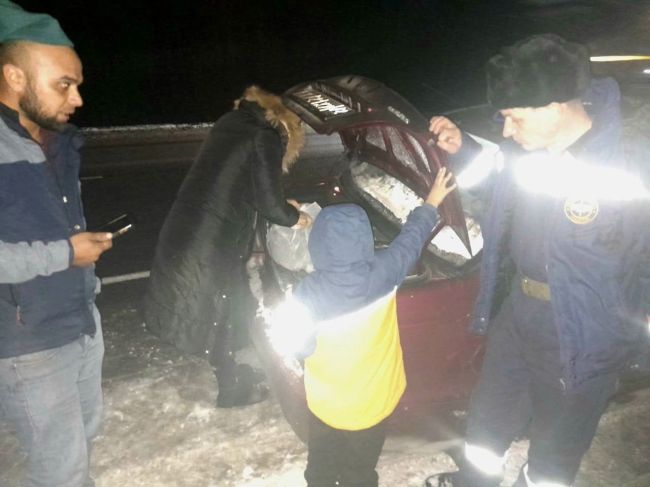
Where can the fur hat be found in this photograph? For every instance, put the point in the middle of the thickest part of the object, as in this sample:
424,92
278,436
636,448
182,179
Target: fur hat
18,25
536,71
281,118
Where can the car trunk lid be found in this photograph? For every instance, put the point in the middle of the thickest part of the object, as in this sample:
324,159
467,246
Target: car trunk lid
381,127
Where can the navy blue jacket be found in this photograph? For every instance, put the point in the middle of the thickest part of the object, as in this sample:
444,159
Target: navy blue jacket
44,302
597,272
349,273
354,374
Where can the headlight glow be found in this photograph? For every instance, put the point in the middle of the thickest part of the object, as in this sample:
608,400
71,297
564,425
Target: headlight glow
290,328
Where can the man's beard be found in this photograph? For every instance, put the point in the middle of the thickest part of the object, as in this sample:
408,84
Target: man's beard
32,108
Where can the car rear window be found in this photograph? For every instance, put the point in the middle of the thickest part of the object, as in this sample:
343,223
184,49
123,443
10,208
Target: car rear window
399,150
394,201
375,136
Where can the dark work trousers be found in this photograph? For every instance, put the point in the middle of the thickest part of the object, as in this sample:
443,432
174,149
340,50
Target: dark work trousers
346,457
521,390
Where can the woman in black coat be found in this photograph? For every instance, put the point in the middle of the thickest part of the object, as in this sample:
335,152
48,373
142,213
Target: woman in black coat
199,272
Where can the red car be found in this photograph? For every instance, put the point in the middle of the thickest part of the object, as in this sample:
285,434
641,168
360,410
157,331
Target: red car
373,148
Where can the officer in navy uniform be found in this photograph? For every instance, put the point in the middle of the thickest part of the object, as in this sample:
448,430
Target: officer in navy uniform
564,280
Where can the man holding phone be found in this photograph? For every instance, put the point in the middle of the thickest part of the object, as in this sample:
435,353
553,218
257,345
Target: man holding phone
51,345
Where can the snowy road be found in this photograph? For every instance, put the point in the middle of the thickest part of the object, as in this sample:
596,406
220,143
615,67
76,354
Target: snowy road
161,429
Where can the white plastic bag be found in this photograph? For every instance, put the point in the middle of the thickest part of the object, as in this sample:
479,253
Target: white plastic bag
288,247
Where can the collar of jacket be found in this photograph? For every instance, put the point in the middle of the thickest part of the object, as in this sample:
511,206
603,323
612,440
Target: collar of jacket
261,115
278,116
254,109
12,119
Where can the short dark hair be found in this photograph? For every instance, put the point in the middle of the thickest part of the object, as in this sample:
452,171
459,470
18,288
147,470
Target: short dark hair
536,71
10,52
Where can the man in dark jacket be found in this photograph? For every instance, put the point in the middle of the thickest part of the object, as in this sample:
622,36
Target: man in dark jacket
564,282
198,279
51,345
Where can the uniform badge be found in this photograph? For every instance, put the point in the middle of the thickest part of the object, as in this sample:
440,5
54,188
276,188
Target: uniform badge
581,210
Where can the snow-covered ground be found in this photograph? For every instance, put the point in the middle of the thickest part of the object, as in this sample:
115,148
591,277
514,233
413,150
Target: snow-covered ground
161,428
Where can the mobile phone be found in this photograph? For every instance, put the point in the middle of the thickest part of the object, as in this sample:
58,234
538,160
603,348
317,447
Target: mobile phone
118,226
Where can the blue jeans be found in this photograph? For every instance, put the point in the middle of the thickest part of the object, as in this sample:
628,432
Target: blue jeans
53,399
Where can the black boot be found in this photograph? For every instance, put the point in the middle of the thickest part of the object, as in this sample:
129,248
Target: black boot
465,477
239,384
242,388
445,479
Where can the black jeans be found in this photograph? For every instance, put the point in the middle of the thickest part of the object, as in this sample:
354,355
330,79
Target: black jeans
346,457
520,389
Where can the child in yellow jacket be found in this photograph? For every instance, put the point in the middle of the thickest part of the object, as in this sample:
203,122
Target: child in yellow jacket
354,377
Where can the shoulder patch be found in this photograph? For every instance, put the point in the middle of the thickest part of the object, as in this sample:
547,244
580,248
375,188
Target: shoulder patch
581,210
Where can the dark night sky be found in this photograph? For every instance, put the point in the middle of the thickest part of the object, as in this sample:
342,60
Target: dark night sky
185,61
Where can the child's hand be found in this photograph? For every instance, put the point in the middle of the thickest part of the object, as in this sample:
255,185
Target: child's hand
440,188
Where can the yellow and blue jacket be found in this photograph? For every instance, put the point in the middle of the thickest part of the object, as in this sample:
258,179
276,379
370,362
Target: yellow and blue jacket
355,376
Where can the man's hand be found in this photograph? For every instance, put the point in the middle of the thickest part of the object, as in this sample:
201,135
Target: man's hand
304,221
440,188
447,133
88,246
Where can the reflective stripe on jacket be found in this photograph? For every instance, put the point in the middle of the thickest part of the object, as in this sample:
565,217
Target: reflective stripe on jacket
355,377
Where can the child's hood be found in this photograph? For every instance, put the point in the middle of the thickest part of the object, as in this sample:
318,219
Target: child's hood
340,238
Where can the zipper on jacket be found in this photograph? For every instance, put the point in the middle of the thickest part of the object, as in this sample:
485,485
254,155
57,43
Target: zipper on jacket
19,316
59,191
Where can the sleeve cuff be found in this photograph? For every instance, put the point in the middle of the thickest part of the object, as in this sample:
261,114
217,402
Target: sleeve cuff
469,149
71,254
428,212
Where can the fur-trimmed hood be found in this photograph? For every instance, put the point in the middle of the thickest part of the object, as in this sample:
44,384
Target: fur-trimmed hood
281,118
